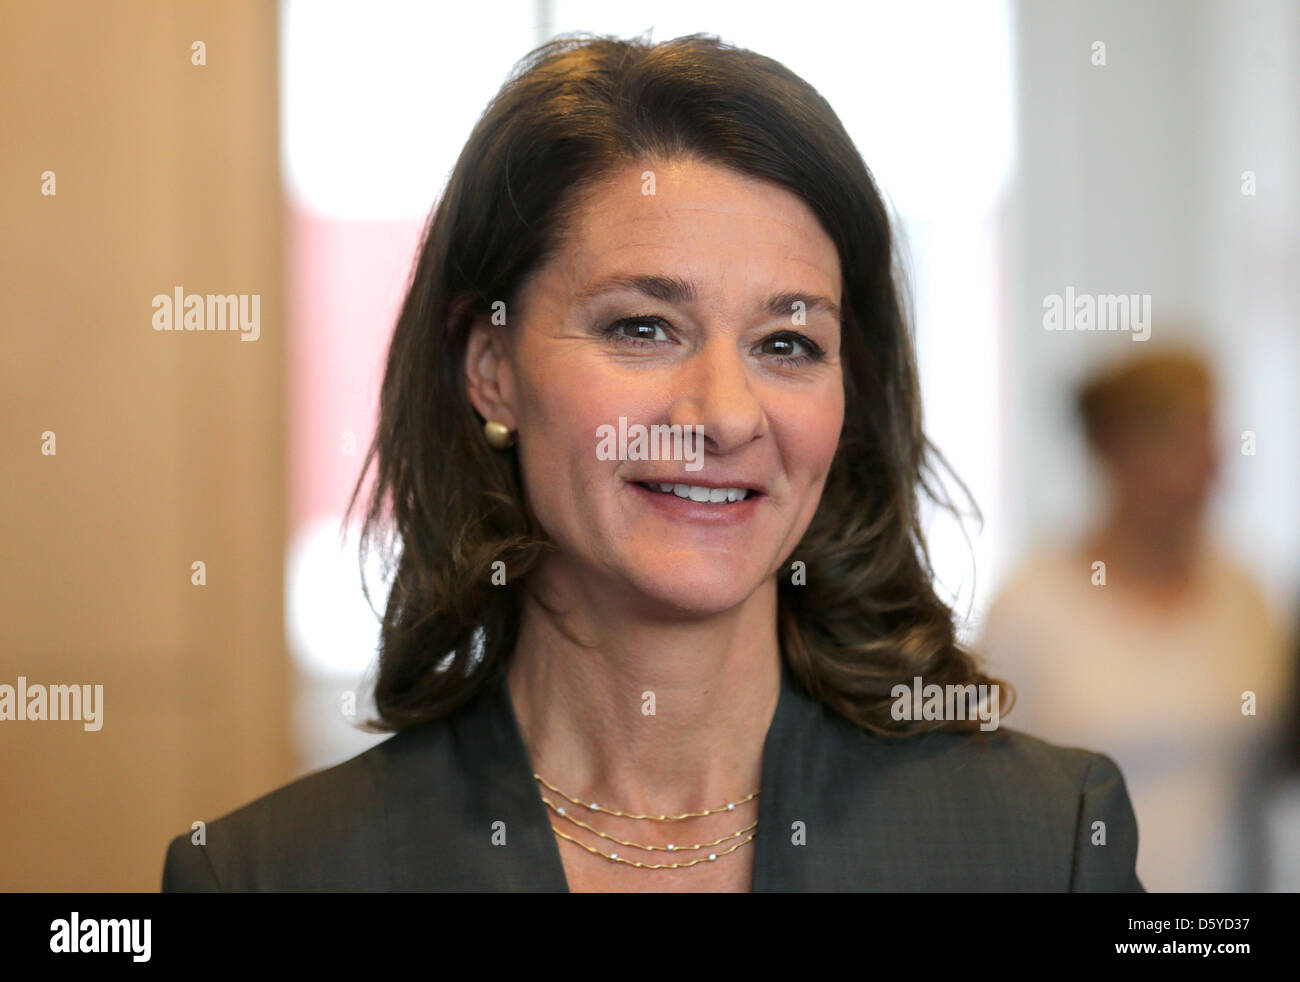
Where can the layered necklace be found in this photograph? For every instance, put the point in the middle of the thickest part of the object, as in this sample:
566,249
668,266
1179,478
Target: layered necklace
715,852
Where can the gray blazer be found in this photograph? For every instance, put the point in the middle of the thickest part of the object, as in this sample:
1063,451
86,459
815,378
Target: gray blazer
939,812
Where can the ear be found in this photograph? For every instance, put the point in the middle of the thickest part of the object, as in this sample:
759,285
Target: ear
489,376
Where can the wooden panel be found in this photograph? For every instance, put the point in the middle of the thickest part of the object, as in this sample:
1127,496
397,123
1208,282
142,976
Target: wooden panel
170,445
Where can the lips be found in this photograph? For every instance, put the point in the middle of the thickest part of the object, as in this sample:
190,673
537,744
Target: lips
703,494
722,502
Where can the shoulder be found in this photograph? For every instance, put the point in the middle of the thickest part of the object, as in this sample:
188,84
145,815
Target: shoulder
1032,596
323,831
1003,766
1045,568
1006,768
999,810
1009,759
1228,576
1048,817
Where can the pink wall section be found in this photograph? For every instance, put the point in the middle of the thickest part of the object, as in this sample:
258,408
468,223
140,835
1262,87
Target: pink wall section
346,281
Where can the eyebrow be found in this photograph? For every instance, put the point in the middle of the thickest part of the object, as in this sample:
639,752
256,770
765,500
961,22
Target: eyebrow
672,289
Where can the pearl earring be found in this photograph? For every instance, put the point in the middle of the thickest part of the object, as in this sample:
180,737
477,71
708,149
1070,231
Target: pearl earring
498,435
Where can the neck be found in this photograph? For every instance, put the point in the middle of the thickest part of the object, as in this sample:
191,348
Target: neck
647,714
1157,558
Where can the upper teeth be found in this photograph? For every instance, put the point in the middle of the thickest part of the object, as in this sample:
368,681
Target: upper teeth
696,493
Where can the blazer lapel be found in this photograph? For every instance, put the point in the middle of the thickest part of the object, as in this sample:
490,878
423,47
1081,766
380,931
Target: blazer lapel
463,809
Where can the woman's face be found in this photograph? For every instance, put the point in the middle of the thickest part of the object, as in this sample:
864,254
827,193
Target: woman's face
711,302
1164,463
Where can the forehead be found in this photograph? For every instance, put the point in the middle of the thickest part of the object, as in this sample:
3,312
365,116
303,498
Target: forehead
701,221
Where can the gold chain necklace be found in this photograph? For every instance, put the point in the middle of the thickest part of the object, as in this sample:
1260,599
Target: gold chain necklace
615,857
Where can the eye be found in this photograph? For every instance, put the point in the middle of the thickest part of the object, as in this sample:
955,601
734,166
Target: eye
644,330
790,348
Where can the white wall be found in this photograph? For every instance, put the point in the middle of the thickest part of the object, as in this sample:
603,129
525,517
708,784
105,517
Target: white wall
1130,182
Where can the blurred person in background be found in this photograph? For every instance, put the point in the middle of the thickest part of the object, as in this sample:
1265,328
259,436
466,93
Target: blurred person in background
1145,639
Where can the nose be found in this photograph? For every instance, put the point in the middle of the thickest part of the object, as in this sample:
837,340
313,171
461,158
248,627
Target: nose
714,388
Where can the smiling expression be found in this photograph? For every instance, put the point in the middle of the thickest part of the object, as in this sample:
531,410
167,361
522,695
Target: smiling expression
713,302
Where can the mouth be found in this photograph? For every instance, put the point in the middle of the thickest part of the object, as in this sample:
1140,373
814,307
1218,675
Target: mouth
699,493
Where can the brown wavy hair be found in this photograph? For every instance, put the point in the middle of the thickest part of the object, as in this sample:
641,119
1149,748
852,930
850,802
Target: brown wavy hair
444,507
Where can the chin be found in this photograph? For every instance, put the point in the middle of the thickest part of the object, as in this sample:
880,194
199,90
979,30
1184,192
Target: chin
698,586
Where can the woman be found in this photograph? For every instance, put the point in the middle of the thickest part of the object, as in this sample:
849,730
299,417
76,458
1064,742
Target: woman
673,660
1169,631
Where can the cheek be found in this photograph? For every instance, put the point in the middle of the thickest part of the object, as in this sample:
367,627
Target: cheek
808,425
561,409
569,403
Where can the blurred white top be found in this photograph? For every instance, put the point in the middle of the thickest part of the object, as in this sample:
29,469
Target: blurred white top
1159,692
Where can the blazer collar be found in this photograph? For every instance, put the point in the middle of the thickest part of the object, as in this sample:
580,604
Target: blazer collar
441,819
